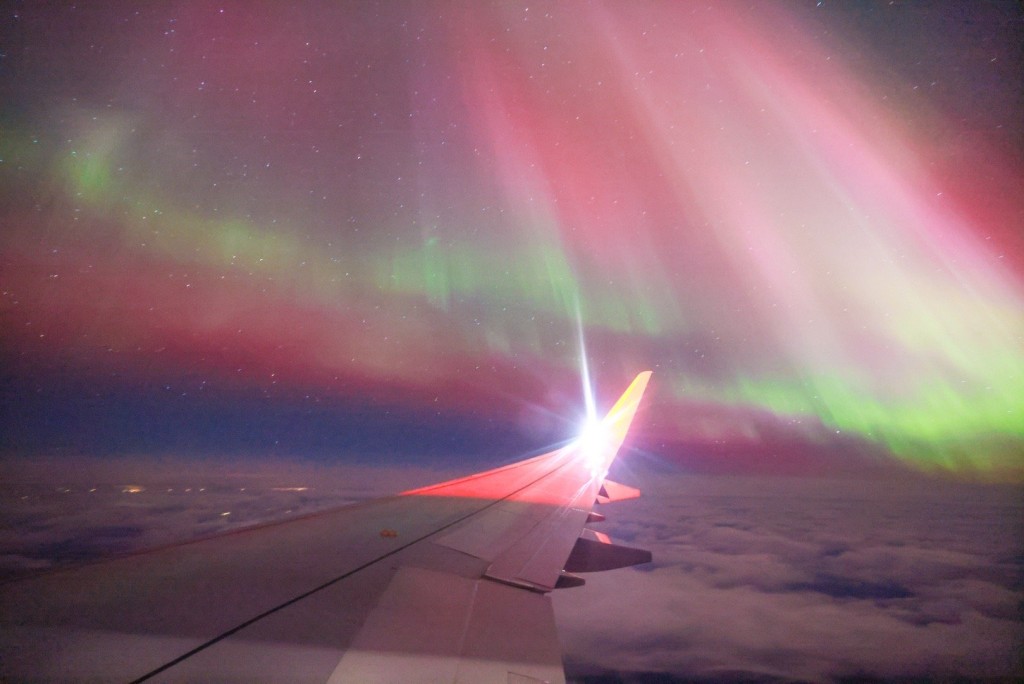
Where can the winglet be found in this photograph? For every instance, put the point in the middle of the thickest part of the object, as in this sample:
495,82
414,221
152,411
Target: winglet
631,397
616,422
621,414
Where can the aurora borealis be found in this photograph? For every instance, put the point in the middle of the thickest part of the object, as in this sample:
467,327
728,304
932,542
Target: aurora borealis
261,226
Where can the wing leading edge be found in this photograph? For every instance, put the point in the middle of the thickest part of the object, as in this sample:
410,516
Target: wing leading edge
447,583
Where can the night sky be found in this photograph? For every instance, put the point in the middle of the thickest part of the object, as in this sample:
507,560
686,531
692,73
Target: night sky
372,227
241,242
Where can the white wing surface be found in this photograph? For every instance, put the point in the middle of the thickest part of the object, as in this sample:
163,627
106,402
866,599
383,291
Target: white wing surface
448,583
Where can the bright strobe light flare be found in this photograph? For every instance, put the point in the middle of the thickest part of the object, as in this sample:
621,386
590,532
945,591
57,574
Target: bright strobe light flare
593,444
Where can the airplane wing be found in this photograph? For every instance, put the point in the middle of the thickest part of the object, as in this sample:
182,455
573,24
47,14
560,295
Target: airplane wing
448,583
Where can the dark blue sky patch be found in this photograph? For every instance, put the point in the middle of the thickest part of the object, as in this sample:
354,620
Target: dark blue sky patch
845,587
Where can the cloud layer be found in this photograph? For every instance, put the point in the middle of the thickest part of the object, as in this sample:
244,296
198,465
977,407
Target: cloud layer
753,578
805,579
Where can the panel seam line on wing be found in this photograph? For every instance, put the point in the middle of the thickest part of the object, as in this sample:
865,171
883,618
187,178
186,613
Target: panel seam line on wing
270,611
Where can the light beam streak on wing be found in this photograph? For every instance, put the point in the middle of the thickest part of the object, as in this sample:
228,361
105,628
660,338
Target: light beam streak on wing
588,385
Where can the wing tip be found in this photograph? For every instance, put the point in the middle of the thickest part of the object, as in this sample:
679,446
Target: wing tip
629,400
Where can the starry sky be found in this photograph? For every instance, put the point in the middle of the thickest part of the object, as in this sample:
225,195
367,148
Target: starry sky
366,228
